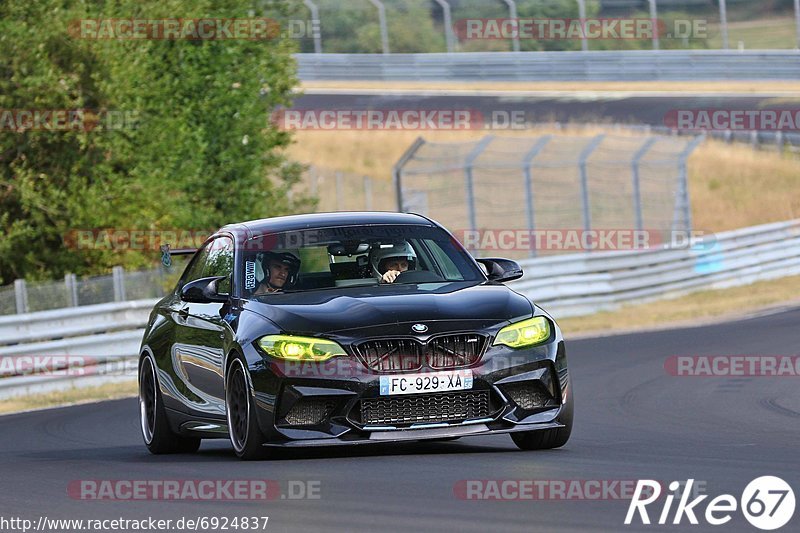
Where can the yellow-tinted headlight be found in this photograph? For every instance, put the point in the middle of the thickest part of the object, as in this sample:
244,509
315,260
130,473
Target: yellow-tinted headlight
528,332
294,348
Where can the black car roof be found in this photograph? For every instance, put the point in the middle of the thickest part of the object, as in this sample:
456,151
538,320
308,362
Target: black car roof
323,220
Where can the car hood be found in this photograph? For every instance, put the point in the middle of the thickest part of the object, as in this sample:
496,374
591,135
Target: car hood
441,306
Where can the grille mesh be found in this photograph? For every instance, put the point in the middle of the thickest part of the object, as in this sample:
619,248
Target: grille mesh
403,355
309,411
527,395
443,407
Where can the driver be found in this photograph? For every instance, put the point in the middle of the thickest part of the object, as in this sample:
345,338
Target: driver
389,260
279,272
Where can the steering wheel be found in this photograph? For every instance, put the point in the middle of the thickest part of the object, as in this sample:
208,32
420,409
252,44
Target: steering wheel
418,276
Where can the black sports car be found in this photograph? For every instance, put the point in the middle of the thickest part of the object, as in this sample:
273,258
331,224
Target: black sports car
348,328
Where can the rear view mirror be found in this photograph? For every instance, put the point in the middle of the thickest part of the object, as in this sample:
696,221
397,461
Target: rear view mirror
500,270
348,248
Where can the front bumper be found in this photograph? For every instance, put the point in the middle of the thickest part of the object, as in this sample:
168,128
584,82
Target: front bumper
322,404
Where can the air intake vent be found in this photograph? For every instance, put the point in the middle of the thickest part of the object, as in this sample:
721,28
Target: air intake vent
528,395
309,411
427,408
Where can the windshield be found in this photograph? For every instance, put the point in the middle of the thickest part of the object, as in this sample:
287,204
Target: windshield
345,256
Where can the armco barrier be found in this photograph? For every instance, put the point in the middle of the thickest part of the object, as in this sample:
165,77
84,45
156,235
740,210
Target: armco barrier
566,285
102,334
627,65
73,321
579,284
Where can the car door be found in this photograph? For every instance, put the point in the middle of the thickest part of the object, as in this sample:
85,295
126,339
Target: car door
201,331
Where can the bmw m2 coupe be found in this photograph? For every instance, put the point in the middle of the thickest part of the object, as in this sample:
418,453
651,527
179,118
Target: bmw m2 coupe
348,328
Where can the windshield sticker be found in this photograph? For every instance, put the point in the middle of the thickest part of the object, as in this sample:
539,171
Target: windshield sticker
249,275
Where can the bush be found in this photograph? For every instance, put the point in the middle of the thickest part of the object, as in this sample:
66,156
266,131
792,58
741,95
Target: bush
201,152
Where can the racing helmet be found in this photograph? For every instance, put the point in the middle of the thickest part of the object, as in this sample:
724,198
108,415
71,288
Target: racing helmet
287,258
381,253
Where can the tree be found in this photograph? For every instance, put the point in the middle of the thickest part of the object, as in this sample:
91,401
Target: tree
194,148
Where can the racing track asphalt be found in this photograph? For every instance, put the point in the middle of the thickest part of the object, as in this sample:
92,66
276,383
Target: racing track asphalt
568,107
633,421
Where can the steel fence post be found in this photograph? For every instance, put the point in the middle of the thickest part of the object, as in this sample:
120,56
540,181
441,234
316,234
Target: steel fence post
512,14
723,21
397,171
654,21
587,211
382,21
448,25
469,182
71,285
530,211
316,25
683,193
797,21
21,295
118,278
637,194
582,16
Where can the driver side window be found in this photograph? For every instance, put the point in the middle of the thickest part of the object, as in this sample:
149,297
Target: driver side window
196,266
220,262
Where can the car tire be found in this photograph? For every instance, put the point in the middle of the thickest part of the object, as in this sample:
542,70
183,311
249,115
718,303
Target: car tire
158,436
245,434
546,439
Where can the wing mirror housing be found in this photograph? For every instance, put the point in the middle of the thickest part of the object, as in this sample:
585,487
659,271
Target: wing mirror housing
501,270
204,291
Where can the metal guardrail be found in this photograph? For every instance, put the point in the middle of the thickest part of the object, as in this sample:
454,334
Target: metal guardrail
627,65
566,285
83,346
72,322
580,284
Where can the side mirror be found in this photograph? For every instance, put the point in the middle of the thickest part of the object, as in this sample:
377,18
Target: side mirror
501,270
204,291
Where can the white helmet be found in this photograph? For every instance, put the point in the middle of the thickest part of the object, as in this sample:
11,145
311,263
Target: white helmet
381,253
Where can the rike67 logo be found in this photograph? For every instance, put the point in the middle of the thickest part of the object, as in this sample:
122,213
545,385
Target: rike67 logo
767,503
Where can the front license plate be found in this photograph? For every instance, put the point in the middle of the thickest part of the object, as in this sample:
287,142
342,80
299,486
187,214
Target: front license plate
427,382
